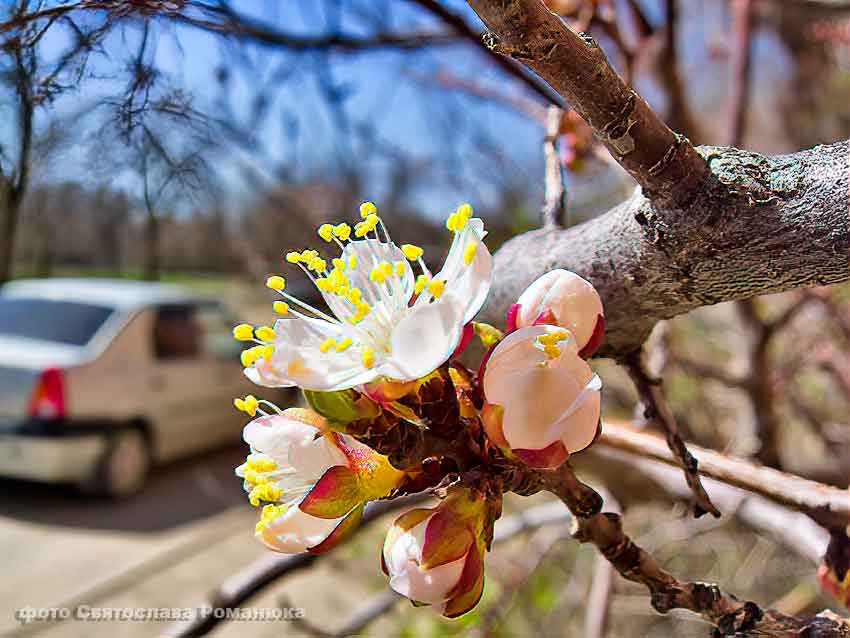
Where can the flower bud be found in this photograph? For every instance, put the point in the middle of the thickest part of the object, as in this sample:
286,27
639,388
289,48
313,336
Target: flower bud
564,299
312,483
542,400
435,556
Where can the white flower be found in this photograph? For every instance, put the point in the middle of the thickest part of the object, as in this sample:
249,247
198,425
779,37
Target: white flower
563,298
376,328
287,459
547,397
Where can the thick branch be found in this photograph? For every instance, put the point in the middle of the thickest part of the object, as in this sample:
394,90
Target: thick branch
719,223
664,164
768,224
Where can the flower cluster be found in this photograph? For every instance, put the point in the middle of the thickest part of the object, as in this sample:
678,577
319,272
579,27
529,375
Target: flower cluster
393,410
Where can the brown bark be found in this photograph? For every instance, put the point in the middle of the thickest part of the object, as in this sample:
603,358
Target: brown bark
663,163
712,224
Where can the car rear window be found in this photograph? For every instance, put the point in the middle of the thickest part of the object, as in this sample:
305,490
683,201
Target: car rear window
66,322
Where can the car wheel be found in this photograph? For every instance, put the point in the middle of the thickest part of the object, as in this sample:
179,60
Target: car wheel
125,464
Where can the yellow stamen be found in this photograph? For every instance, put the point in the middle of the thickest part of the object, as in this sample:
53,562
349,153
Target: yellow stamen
324,284
469,252
352,262
276,283
464,211
281,307
421,284
269,513
338,263
249,357
264,333
342,231
368,358
412,252
326,232
399,268
293,257
457,220
317,264
267,352
436,288
263,492
343,345
243,332
355,295
381,271
307,255
260,463
327,344
248,404
367,208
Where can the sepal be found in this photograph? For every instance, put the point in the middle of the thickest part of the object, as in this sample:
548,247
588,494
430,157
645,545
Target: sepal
335,494
341,407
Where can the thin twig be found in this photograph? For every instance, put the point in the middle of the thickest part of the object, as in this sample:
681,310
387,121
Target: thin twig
656,408
599,598
828,506
555,195
378,605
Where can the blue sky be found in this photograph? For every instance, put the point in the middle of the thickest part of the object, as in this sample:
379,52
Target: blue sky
392,93
385,91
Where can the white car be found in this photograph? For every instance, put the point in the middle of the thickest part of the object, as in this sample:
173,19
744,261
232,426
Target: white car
101,378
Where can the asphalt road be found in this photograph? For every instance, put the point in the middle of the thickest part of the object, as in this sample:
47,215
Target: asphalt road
189,528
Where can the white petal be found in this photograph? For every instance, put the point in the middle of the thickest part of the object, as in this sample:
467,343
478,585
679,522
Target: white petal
299,360
520,350
294,445
294,531
425,338
572,300
469,282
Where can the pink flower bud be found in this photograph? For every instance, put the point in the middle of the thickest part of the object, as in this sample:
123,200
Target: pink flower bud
542,400
434,556
562,298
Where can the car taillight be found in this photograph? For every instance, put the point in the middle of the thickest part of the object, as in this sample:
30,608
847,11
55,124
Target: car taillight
48,396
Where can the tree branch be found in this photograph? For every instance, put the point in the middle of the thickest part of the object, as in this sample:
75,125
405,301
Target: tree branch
656,408
666,165
826,505
730,616
710,225
771,224
512,68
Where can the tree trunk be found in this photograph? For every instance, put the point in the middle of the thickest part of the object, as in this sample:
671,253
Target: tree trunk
151,268
10,207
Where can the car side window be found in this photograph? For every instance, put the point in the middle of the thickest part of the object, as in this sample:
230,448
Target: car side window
217,328
178,333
